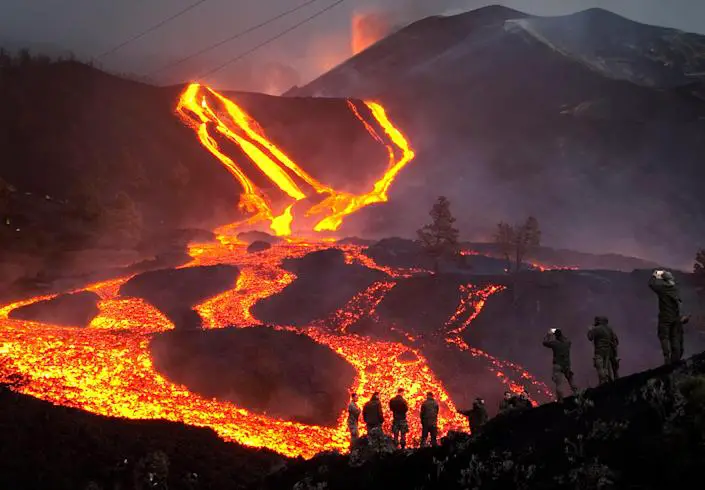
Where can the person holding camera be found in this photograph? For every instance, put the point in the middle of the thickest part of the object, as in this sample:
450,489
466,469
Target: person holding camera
560,345
670,320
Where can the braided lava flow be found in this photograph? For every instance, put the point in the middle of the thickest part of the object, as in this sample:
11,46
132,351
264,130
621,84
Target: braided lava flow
106,368
198,108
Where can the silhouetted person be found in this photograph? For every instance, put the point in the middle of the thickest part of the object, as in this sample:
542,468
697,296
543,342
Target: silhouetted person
508,403
429,420
373,416
353,419
670,321
522,402
605,343
560,345
400,426
477,416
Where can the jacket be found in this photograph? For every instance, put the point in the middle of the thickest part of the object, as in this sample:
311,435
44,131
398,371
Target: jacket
429,412
560,348
604,339
398,407
372,414
669,301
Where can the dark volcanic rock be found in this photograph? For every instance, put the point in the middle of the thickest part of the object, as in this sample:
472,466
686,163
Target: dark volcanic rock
513,322
258,246
423,304
72,310
641,432
176,291
353,240
258,236
48,446
280,373
324,284
401,252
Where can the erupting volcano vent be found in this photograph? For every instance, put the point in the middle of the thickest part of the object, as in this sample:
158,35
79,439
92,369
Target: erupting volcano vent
205,110
106,368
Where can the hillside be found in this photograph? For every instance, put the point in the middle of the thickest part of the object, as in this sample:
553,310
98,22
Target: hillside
47,446
100,171
510,326
609,44
506,123
641,432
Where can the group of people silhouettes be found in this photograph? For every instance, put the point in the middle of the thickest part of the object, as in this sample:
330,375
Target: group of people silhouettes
606,362
373,416
606,342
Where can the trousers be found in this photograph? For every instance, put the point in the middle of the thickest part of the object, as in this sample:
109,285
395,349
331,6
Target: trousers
670,334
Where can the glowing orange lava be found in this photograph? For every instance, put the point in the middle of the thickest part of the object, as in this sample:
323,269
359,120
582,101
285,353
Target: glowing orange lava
106,367
205,110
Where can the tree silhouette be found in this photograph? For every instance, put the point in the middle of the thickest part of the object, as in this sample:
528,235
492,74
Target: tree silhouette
699,270
515,242
439,238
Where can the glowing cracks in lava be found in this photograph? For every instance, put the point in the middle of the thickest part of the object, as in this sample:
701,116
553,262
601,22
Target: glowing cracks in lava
472,301
240,128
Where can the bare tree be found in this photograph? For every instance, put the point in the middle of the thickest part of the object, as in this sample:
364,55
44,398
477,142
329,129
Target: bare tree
516,242
699,271
439,238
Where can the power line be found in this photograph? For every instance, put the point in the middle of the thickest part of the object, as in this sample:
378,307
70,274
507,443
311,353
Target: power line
271,39
153,28
231,38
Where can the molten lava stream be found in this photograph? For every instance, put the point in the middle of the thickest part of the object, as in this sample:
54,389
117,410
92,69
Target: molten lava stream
472,302
381,366
197,107
107,369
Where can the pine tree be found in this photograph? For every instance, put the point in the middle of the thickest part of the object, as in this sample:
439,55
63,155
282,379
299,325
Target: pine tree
439,238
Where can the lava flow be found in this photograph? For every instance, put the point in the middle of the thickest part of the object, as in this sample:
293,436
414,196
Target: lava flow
238,127
106,368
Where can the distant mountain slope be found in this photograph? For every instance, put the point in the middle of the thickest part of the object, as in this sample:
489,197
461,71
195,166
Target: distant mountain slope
622,49
505,126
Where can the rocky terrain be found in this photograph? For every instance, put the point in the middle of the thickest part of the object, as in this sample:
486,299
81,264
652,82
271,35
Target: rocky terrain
644,431
324,284
48,446
98,172
71,310
641,432
176,291
261,369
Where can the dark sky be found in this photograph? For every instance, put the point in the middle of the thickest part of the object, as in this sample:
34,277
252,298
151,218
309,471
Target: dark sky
91,27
